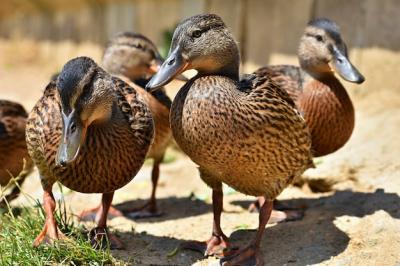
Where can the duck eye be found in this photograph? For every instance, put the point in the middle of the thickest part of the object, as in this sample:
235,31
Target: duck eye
196,33
319,38
73,127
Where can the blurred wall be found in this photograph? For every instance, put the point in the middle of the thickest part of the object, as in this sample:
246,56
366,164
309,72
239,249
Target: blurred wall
267,30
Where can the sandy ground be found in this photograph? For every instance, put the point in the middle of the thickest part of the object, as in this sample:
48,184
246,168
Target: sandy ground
355,222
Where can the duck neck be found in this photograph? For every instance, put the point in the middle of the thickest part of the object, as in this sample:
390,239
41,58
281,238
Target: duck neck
319,75
329,88
224,63
230,70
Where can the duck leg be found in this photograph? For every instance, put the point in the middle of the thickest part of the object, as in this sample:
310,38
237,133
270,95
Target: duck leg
277,216
100,236
50,231
218,242
150,208
252,252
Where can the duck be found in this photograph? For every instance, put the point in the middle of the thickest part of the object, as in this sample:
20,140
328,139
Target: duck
245,132
90,132
134,58
13,150
317,92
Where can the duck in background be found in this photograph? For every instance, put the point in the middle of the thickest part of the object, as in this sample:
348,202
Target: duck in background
318,94
90,132
13,150
246,133
134,58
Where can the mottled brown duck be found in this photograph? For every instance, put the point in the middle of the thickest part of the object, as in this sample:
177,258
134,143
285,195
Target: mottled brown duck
318,94
134,58
13,149
246,133
90,132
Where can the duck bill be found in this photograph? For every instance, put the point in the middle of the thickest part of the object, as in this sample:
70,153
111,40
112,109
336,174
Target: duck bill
174,65
342,65
73,135
156,65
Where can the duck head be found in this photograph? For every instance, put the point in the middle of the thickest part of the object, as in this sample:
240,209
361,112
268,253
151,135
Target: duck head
323,51
203,43
86,99
132,55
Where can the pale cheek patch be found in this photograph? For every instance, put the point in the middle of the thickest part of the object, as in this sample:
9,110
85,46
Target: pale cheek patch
96,115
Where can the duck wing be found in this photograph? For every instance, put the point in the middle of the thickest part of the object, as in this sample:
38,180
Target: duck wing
288,77
261,82
135,110
44,127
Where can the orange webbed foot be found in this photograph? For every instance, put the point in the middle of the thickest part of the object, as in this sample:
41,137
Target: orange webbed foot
49,235
216,246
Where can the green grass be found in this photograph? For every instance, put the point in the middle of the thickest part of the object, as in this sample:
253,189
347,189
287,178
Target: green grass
20,226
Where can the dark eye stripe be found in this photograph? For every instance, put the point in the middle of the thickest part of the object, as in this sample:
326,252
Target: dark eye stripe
317,37
137,46
205,29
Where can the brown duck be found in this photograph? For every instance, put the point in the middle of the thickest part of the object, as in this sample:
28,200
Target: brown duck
246,134
13,149
134,58
90,132
318,94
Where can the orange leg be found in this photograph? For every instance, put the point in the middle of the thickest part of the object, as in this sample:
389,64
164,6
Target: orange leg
277,216
150,208
218,243
100,235
50,230
251,254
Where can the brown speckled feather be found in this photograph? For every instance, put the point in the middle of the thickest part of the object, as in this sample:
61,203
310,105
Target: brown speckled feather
251,139
111,155
329,113
12,140
324,103
160,113
289,78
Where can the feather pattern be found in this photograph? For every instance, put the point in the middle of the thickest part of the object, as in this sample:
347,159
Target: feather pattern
112,153
253,139
324,103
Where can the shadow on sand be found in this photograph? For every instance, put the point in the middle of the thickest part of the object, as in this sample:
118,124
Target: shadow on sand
172,208
313,240
316,238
